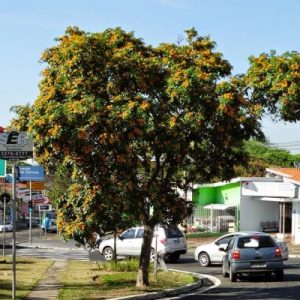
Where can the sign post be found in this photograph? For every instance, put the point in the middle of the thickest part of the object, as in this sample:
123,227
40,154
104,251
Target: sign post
35,174
15,146
14,281
5,198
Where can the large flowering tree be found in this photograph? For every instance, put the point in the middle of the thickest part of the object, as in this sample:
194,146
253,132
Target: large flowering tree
132,123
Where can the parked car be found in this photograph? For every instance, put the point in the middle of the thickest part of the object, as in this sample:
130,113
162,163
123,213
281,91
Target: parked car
254,253
6,227
49,225
170,242
207,254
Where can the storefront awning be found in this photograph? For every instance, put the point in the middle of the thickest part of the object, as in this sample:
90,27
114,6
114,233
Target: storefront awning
217,206
274,199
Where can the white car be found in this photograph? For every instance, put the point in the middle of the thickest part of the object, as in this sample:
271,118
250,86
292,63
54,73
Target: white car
6,227
207,254
169,242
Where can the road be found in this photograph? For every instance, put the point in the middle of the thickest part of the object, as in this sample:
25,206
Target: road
256,287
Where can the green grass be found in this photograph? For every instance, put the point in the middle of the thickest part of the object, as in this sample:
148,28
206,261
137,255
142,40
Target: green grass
28,273
88,280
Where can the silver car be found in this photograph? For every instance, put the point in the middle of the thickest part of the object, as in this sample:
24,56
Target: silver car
209,253
248,254
168,241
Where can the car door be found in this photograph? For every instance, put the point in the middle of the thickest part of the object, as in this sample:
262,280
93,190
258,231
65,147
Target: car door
227,254
217,255
138,241
125,242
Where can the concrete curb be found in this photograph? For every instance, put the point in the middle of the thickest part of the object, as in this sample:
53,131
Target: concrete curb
178,291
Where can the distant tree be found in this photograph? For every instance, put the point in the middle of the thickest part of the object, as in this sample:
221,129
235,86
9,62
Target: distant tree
262,156
23,113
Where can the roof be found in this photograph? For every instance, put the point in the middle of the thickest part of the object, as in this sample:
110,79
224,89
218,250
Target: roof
235,180
293,174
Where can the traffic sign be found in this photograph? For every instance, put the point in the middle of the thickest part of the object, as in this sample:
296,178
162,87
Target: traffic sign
5,197
2,168
36,185
45,207
15,145
31,173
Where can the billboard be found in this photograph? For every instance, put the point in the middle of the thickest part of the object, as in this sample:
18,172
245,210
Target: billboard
15,145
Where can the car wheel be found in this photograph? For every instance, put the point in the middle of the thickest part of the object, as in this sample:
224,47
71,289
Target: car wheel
204,259
108,253
279,275
232,276
87,247
174,257
224,272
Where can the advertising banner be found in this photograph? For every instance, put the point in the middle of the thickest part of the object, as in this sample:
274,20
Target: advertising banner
15,145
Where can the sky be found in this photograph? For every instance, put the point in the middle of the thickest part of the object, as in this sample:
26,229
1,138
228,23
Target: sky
240,28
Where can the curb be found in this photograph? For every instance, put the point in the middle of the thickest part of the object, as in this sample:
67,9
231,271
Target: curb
169,292
177,291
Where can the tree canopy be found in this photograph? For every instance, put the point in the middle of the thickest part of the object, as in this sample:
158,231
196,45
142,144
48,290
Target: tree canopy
133,123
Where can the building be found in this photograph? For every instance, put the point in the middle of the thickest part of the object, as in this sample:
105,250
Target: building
269,204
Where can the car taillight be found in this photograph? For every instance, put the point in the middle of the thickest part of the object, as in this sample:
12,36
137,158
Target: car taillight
278,252
163,241
235,254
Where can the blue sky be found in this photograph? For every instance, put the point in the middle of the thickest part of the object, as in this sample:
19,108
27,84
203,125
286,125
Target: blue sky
239,27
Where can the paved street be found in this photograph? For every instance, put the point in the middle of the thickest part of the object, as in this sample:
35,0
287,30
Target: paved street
256,287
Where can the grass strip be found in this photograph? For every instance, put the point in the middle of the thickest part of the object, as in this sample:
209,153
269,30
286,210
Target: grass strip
90,280
28,272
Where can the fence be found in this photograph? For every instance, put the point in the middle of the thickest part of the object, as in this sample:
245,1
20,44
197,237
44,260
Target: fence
213,220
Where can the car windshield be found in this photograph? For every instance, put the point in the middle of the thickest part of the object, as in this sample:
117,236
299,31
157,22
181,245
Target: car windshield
255,242
173,233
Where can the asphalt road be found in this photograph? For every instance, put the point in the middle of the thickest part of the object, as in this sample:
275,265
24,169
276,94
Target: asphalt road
255,287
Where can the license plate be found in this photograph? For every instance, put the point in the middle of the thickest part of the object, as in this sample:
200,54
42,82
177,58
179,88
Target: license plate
257,266
176,241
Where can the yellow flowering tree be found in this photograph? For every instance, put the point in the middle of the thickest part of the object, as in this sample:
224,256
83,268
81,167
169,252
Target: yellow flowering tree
132,123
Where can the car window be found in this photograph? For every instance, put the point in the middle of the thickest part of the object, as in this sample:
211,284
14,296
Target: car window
128,234
224,240
140,233
255,242
230,244
173,232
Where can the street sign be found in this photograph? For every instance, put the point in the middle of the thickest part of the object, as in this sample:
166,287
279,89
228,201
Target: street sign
45,207
31,173
2,168
36,185
5,197
15,145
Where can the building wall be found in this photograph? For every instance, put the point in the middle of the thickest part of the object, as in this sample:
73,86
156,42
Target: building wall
253,211
296,217
225,194
229,194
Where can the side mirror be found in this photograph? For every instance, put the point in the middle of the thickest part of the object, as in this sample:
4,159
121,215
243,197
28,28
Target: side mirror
222,249
121,238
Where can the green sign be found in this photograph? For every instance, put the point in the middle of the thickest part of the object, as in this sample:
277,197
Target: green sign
2,168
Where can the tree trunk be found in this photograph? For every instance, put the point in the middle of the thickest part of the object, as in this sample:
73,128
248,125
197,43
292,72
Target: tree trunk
143,271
